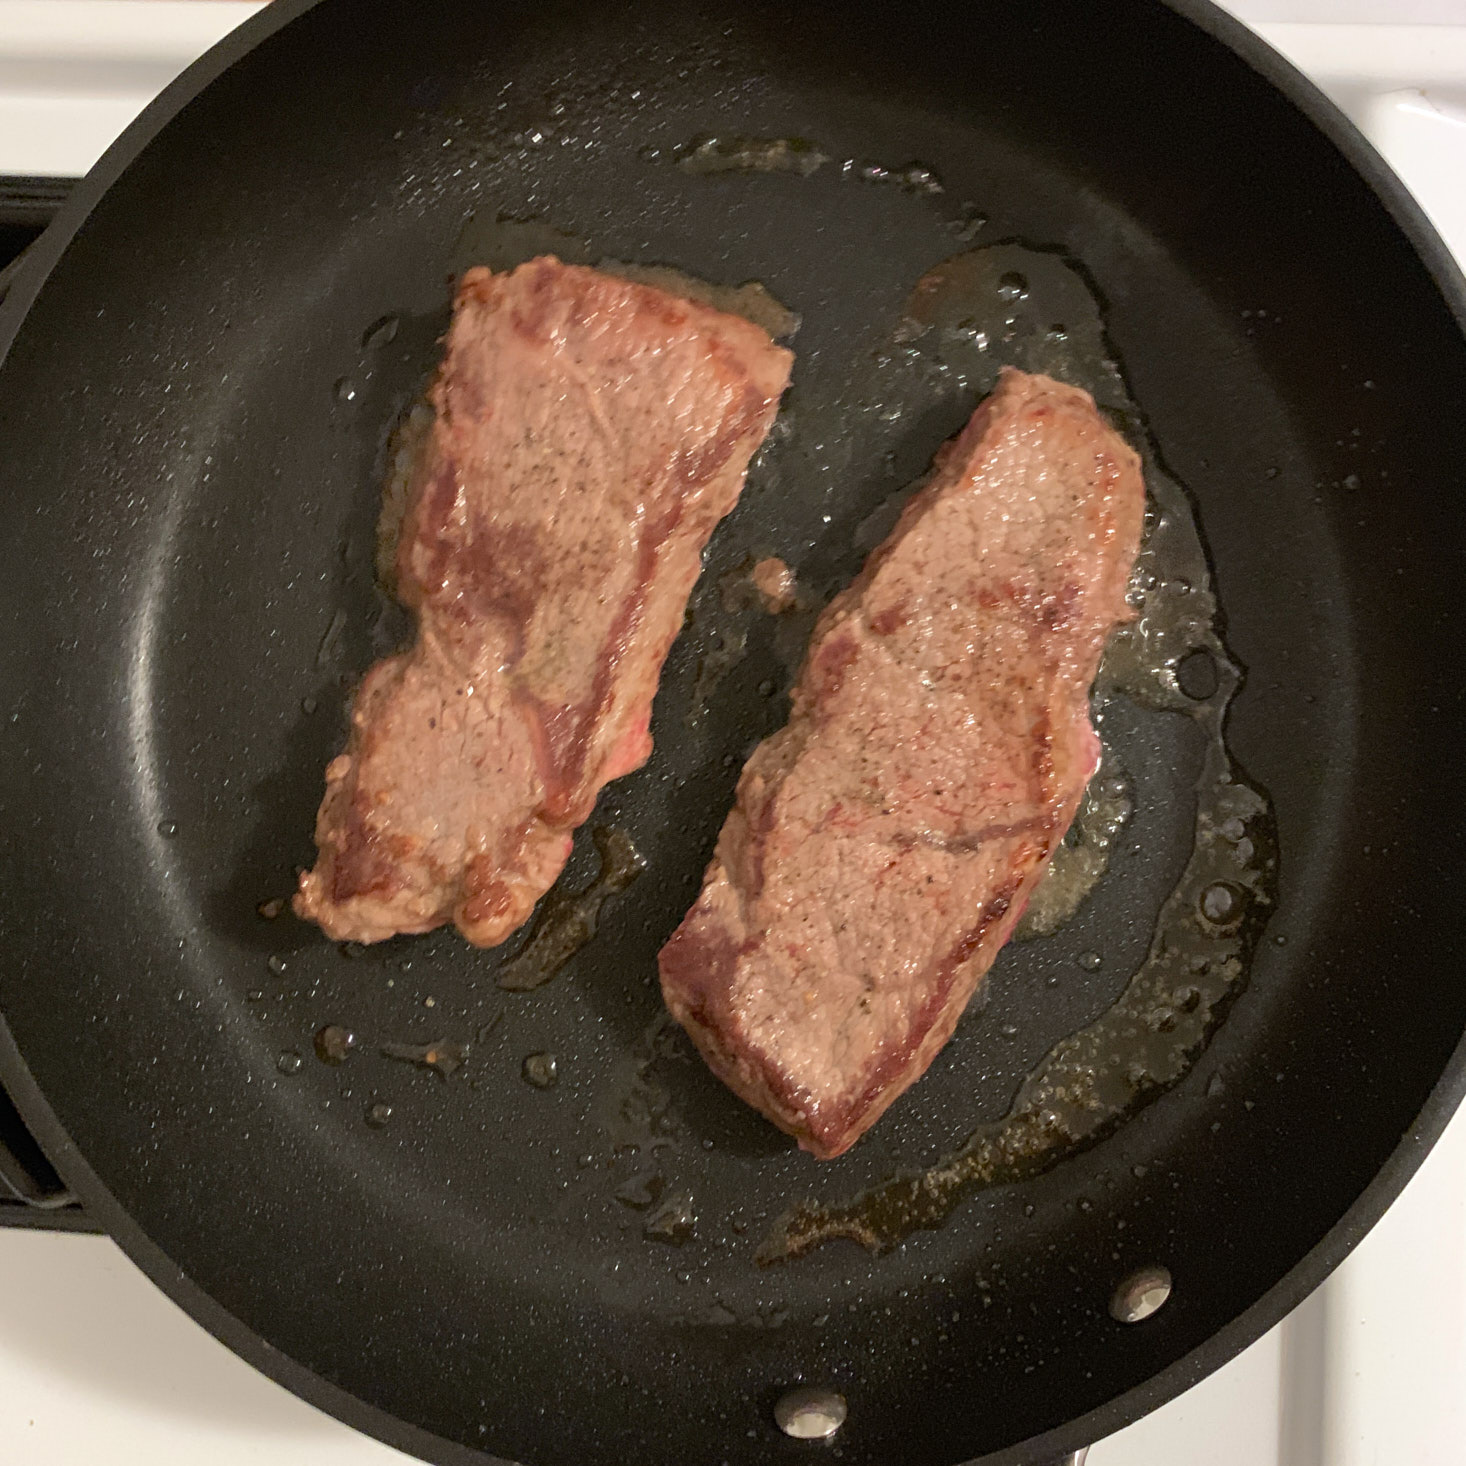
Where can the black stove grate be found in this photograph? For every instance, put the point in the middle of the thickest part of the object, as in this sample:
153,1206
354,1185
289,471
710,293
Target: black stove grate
31,1193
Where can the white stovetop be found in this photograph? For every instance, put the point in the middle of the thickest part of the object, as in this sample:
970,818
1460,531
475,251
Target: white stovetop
97,1368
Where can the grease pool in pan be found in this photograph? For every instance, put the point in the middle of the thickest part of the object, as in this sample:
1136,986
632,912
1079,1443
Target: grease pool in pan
1031,308
1003,304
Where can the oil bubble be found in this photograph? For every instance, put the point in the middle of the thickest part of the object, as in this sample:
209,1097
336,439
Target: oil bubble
1197,676
1012,286
1222,903
334,1044
380,333
541,1070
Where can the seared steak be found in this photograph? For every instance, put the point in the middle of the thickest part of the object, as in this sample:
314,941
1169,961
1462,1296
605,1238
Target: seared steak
589,435
885,841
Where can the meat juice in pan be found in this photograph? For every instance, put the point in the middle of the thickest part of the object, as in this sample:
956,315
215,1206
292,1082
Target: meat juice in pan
885,842
1009,304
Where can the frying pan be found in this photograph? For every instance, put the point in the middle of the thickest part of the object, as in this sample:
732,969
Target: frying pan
194,405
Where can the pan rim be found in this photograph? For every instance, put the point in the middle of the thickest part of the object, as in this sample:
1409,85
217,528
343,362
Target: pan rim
1223,1345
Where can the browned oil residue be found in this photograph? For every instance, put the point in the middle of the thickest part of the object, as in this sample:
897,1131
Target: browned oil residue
541,1070
566,921
639,1113
910,178
774,582
1032,309
443,1056
673,1222
766,584
799,156
736,154
1081,860
712,667
643,1190
736,589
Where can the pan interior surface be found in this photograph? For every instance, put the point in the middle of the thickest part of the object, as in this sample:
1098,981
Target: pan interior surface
195,419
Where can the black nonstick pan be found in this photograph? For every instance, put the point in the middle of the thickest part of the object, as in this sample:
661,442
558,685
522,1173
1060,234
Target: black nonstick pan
203,367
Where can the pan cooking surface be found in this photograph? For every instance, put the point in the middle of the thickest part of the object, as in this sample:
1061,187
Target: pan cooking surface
531,1230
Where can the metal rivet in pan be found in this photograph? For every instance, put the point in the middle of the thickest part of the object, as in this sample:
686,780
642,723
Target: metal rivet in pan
1140,1295
810,1414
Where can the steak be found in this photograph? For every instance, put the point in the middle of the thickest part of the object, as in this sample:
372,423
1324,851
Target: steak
589,433
884,842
